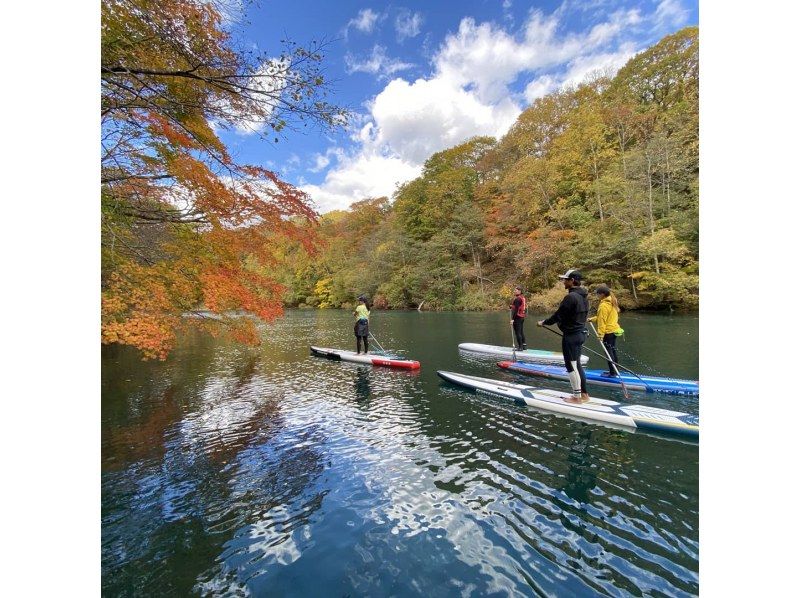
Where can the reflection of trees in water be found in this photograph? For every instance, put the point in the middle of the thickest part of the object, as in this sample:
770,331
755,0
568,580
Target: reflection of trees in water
142,440
141,400
581,474
362,385
197,457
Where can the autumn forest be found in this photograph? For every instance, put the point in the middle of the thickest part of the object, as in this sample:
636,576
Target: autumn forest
602,177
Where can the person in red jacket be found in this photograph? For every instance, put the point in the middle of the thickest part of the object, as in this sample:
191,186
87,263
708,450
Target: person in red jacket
519,309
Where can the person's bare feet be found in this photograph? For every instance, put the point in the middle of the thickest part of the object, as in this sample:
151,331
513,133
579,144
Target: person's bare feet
584,398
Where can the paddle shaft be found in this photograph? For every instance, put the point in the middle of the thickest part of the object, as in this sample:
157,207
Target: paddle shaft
377,343
646,385
513,342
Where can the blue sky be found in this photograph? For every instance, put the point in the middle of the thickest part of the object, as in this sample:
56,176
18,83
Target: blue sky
424,76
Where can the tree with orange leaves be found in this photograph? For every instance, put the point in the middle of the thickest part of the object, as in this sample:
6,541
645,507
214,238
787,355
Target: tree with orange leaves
185,226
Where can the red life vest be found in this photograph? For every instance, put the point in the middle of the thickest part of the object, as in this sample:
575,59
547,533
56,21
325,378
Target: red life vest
522,310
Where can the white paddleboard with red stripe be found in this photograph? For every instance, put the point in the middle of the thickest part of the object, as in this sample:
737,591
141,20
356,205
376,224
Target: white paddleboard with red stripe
366,358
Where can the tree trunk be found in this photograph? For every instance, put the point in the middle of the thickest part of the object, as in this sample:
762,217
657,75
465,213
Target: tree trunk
633,287
650,191
650,203
596,190
476,260
668,173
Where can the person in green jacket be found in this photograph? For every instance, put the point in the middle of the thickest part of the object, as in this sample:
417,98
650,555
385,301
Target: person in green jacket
362,324
608,328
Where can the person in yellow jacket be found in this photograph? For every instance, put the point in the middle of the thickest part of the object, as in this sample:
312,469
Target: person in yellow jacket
608,328
362,324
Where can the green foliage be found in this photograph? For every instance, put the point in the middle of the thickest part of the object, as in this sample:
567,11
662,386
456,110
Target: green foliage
602,177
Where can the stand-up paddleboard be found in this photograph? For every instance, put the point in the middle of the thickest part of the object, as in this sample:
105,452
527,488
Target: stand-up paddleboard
645,383
530,355
596,410
367,358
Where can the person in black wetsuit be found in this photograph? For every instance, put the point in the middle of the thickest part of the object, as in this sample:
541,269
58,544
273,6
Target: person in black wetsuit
519,309
571,320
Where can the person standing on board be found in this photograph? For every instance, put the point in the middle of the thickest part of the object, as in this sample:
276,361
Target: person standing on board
519,309
362,324
608,328
571,320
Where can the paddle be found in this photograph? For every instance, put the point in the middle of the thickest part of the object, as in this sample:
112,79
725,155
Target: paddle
513,342
377,343
646,385
611,361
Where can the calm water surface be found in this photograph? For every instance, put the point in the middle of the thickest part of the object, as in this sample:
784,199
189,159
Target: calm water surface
263,471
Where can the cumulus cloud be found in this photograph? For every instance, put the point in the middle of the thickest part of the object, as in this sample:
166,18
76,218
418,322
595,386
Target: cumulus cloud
414,120
377,63
365,175
364,21
469,92
407,24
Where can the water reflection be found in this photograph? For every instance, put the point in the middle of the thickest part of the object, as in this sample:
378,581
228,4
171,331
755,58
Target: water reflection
581,475
361,385
230,471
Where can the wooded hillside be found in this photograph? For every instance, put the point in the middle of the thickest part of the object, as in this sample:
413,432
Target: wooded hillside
602,177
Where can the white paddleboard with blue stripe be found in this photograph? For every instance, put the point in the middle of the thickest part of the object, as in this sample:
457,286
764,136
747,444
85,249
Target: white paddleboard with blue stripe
530,355
630,417
645,383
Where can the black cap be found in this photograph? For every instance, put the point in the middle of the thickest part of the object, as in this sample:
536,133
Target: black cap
603,289
362,298
573,274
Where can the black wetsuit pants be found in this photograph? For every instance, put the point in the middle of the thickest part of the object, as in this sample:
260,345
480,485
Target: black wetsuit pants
571,345
610,342
362,334
519,333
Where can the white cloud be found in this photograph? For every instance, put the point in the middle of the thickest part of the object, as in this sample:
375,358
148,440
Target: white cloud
606,63
578,70
364,21
414,120
377,63
540,87
670,13
469,93
322,161
407,24
507,14
490,58
365,175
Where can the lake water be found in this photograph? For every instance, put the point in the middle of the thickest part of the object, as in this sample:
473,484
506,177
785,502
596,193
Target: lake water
230,470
